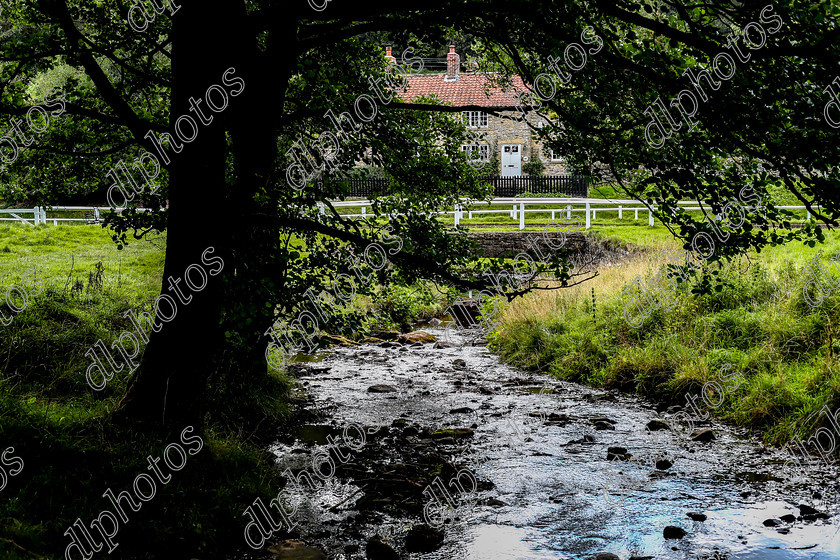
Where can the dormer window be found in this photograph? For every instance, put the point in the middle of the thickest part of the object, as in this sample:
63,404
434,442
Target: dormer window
475,119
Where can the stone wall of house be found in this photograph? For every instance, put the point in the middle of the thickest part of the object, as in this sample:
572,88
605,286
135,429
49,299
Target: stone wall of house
509,128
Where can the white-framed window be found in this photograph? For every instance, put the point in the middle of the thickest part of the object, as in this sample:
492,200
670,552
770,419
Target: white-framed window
475,119
554,156
477,152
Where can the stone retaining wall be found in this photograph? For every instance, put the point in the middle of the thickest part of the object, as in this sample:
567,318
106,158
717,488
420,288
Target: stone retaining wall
511,243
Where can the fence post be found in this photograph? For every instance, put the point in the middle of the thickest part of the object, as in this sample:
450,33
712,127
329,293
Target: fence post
43,215
96,214
37,215
364,210
521,215
619,211
552,215
588,223
807,214
513,212
569,212
650,215
457,216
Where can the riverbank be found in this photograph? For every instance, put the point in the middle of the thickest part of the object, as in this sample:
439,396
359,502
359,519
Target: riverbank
759,325
73,289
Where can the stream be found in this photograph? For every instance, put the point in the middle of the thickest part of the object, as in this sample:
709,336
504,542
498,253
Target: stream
550,482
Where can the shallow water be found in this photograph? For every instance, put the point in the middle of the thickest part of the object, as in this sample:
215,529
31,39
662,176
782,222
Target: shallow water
559,497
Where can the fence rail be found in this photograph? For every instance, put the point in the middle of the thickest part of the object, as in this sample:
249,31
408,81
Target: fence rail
515,208
569,185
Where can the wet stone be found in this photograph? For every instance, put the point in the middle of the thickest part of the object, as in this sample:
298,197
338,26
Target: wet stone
462,410
788,518
295,550
459,363
604,556
772,522
378,550
664,464
386,335
617,453
457,433
672,532
382,389
807,510
703,435
696,516
417,336
444,344
423,538
657,425
604,426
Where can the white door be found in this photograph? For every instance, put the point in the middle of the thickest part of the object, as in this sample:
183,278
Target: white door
511,160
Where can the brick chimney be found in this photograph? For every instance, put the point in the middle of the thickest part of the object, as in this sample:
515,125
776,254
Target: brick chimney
453,65
389,56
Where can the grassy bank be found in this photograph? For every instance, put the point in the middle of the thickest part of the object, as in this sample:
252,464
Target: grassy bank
75,287
785,350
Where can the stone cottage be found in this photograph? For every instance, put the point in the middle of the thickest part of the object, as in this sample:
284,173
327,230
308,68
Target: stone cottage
506,134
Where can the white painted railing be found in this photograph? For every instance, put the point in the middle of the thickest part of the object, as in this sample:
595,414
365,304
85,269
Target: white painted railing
565,207
514,207
39,214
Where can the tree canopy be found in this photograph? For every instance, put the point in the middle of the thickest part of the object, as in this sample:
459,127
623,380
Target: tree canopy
754,122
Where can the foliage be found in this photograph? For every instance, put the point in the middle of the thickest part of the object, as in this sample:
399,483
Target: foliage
758,322
535,167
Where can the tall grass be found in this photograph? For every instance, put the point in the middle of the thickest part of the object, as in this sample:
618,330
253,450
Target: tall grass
759,322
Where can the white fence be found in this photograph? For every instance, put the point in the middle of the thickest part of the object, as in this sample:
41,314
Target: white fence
564,207
514,207
39,214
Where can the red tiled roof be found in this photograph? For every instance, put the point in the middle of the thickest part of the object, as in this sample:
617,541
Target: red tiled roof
469,89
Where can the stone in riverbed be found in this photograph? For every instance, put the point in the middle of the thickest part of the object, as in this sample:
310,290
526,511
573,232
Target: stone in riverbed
386,335
462,410
671,532
617,453
416,336
457,433
772,522
703,435
371,340
664,464
788,518
335,340
604,556
423,538
807,510
657,425
295,550
378,550
382,389
696,516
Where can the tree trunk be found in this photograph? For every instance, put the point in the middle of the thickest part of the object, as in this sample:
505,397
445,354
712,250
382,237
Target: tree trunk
169,386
